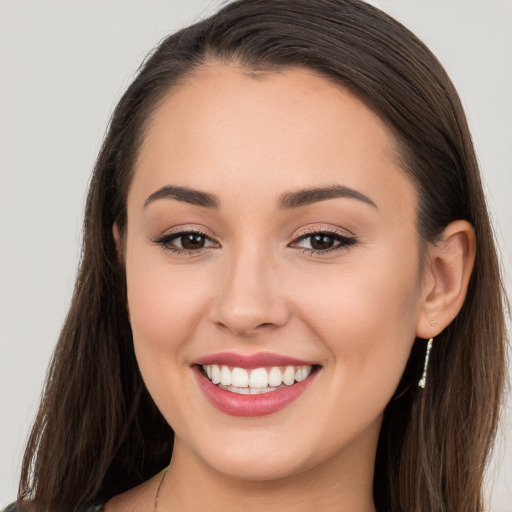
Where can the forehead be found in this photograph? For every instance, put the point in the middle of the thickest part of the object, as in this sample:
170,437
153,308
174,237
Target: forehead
225,129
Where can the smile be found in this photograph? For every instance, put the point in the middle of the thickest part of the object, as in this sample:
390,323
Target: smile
255,381
254,385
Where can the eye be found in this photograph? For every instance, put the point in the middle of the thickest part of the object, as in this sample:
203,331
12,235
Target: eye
185,242
321,242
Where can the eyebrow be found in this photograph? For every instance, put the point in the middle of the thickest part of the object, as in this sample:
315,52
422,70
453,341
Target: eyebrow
287,201
309,196
185,195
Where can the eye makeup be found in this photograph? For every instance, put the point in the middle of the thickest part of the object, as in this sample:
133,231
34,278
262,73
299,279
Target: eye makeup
315,241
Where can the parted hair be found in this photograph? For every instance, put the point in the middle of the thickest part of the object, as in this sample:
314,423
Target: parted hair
98,432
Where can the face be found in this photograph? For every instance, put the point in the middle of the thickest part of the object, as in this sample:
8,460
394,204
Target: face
271,236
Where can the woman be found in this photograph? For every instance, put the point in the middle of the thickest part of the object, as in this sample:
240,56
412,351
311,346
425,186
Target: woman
286,208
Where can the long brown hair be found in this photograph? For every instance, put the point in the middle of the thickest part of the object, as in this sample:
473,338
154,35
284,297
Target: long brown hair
99,433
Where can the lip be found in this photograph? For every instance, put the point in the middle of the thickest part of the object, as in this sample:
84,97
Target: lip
249,362
236,404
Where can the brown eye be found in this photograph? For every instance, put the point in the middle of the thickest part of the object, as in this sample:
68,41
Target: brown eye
321,242
186,242
192,241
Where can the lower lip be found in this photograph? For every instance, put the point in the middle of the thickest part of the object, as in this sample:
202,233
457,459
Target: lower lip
251,405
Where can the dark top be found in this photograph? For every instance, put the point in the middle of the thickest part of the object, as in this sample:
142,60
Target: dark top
96,508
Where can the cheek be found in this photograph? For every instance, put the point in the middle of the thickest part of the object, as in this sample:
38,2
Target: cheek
366,320
365,312
166,304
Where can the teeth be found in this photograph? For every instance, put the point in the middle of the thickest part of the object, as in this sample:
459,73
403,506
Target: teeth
215,374
239,378
275,377
301,374
258,378
256,381
225,376
289,375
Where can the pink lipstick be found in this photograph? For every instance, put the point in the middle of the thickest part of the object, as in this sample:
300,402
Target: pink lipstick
259,360
253,385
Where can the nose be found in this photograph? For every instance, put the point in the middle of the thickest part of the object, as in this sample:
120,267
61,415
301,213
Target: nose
251,298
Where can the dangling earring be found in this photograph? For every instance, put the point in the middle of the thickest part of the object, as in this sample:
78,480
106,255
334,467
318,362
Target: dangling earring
423,379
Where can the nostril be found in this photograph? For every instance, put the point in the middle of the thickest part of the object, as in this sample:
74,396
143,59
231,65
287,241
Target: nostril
243,317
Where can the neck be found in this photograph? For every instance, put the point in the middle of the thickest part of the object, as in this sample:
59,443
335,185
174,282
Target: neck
343,483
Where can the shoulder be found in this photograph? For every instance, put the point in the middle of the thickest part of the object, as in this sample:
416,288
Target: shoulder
137,499
14,508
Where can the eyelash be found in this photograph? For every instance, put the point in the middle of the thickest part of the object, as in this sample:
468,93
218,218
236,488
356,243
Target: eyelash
343,241
166,240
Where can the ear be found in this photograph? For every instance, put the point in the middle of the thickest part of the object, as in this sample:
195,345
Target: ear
119,240
448,269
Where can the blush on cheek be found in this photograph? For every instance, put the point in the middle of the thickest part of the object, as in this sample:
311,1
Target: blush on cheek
162,309
367,321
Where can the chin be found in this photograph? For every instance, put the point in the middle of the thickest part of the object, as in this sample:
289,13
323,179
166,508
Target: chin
259,468
262,458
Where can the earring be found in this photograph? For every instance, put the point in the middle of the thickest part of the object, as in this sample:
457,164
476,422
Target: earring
423,379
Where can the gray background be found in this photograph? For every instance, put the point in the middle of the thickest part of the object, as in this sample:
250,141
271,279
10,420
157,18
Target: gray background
63,66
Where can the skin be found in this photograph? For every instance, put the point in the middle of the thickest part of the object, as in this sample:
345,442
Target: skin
257,287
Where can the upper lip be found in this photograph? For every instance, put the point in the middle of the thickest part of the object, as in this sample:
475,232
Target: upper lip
259,360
